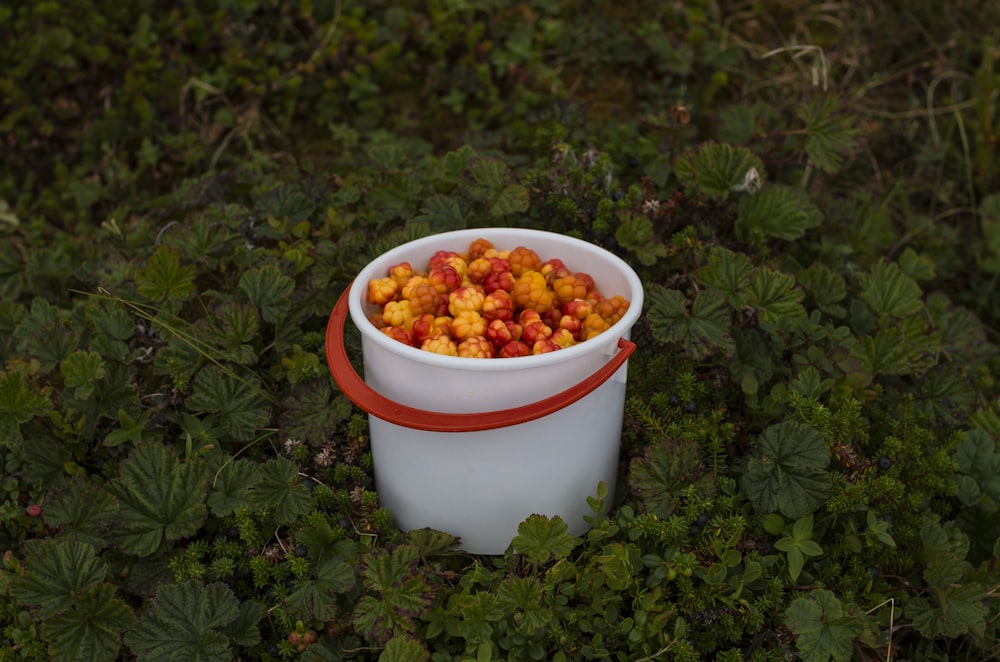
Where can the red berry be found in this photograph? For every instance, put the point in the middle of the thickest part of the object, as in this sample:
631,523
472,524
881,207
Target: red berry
34,510
514,348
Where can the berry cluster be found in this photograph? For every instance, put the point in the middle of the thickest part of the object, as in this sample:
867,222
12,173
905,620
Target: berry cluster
490,303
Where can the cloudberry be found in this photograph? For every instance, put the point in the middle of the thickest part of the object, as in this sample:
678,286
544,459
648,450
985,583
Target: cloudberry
514,349
592,326
499,332
466,324
458,263
398,333
568,288
554,268
382,290
563,337
478,247
534,331
440,258
524,259
465,298
423,297
543,346
444,278
476,347
532,292
398,313
571,324
409,285
499,280
479,269
498,305
612,309
401,272
578,308
440,344
586,279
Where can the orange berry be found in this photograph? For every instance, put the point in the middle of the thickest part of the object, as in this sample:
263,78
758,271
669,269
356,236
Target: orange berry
440,258
568,288
499,332
423,297
407,288
401,272
498,305
458,263
578,308
376,319
612,309
586,279
524,259
478,247
398,313
479,269
534,331
382,290
499,280
554,268
440,344
513,349
466,324
544,345
476,347
532,292
563,337
444,278
592,326
465,298
398,333
571,324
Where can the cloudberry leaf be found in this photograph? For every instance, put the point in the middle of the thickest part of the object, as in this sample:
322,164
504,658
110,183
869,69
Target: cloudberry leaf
886,353
978,458
513,199
403,649
310,603
90,631
826,287
778,211
522,597
635,233
432,542
56,573
776,297
240,404
752,363
726,271
234,327
831,135
398,594
542,538
80,370
82,511
280,491
823,630
44,336
185,621
162,499
715,170
18,404
700,330
244,631
889,291
163,278
487,178
312,411
269,289
666,469
788,472
231,486
952,611
442,213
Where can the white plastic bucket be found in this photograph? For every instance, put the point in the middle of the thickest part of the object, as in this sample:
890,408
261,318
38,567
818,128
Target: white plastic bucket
472,447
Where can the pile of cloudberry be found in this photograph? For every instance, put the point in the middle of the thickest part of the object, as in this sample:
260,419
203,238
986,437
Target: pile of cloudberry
490,303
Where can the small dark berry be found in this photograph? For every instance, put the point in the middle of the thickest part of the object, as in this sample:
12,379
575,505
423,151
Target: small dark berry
233,533
674,400
702,519
884,463
618,196
301,551
887,518
273,650
691,407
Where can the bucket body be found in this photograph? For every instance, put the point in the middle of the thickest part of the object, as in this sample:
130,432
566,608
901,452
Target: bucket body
481,485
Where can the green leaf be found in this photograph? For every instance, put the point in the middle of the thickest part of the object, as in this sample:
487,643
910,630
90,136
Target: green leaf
777,211
753,363
402,594
831,136
513,199
162,499
788,472
403,649
241,404
244,631
163,278
522,597
281,491
635,233
80,370
726,271
82,511
955,610
700,330
823,630
18,405
665,470
826,287
312,411
90,631
916,266
234,327
231,487
776,298
268,289
715,169
442,213
56,573
887,353
432,542
542,538
977,457
891,292
310,603
185,622
619,563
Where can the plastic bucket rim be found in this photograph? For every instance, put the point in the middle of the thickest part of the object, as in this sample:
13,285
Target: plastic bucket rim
606,341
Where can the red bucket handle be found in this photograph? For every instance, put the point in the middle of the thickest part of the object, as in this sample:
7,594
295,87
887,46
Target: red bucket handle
382,407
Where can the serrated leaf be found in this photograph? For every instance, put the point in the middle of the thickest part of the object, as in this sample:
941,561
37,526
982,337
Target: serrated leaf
776,297
635,233
18,404
234,327
831,136
522,596
666,469
955,610
80,370
402,594
231,487
162,499
185,622
715,170
243,630
442,213
269,289
312,411
56,573
916,266
700,330
823,630
432,542
891,292
887,353
83,512
163,278
513,199
281,491
542,538
753,363
726,271
977,457
334,574
403,649
788,472
91,630
826,287
310,603
777,211
240,404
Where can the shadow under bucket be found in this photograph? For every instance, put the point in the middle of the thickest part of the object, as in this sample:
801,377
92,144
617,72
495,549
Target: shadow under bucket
472,447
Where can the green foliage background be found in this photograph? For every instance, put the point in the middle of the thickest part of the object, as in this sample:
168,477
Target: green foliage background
810,192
